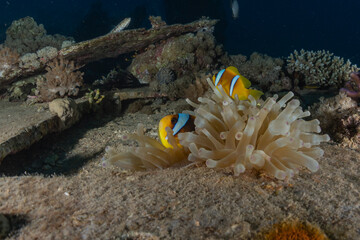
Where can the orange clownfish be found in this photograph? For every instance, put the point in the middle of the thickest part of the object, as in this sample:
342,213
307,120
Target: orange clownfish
234,83
178,123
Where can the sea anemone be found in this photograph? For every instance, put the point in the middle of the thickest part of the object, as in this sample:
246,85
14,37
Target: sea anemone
269,135
150,154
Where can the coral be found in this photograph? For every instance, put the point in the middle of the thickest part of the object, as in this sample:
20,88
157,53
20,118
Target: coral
26,36
20,90
8,58
184,55
156,22
340,118
150,154
47,53
183,87
294,230
259,69
269,135
178,62
62,79
352,87
29,61
320,68
165,76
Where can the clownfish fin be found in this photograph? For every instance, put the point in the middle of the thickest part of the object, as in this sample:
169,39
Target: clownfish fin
233,70
245,81
255,93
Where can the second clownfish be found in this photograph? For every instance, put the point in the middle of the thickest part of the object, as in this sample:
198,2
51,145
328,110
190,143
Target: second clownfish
234,83
178,123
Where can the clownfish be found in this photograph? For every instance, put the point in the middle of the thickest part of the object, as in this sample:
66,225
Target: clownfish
178,123
234,83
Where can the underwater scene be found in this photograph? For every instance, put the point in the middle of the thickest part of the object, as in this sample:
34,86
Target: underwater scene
165,119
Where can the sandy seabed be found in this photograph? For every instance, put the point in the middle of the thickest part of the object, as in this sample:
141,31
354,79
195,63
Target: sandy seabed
86,201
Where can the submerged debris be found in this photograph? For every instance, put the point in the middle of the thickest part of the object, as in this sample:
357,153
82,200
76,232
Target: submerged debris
110,45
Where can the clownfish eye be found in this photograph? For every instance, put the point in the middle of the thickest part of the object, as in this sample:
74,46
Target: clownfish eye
173,120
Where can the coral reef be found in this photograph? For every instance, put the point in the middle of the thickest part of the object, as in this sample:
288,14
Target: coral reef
110,45
20,90
150,154
184,55
8,59
165,76
294,230
269,135
176,67
26,36
183,87
320,68
260,69
352,87
62,79
340,118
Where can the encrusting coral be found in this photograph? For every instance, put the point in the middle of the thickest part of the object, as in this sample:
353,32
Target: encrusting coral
150,154
268,135
62,79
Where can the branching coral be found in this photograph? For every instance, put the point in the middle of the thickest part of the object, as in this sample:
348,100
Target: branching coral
320,68
61,79
268,135
150,154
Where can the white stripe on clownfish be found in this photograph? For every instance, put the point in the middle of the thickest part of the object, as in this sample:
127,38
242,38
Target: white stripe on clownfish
233,82
182,120
218,77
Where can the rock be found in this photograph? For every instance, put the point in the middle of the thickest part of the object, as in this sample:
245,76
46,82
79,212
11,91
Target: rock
66,109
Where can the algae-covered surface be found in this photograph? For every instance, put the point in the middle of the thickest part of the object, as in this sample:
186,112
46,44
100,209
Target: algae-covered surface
83,200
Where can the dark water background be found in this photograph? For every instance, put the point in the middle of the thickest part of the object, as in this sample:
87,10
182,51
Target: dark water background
275,28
